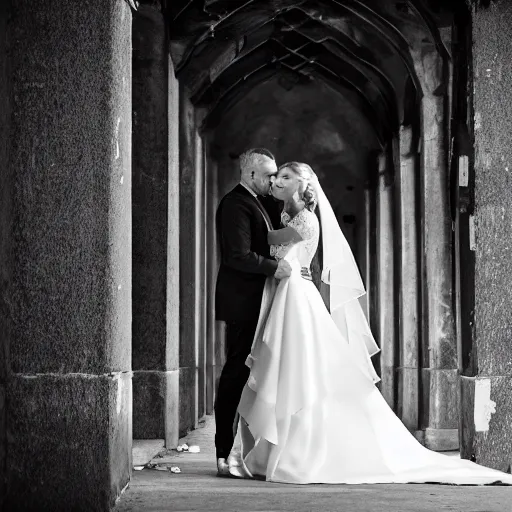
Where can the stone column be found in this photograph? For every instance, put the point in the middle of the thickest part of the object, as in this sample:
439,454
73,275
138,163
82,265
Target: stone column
212,202
386,284
439,377
6,179
408,276
200,299
372,270
487,396
65,311
155,220
191,264
173,262
363,245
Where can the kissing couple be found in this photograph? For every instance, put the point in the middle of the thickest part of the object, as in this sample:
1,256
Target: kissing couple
298,385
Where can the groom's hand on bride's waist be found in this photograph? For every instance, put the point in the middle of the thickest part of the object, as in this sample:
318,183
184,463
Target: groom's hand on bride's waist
284,269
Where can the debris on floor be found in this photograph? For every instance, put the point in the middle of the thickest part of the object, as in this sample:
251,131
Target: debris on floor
186,448
161,467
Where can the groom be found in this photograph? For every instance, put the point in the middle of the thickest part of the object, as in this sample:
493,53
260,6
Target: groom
242,225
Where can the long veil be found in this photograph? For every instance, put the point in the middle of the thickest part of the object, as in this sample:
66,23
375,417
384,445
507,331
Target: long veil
341,273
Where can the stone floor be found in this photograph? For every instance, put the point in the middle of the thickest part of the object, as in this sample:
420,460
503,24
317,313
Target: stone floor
197,488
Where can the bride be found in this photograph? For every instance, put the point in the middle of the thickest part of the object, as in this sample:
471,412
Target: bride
310,411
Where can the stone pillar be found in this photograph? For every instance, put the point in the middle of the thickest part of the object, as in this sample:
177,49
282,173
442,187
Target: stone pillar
363,245
173,262
6,180
487,396
191,262
439,377
200,302
65,310
155,219
212,202
386,284
408,276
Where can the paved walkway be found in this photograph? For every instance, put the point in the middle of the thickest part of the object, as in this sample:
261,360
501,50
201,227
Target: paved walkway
197,488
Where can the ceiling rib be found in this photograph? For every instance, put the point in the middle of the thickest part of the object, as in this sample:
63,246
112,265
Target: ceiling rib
255,40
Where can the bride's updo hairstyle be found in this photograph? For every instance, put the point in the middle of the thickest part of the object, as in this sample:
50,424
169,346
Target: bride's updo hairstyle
306,176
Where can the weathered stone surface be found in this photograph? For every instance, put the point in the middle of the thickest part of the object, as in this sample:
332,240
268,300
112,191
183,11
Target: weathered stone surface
149,388
66,285
467,411
408,396
409,275
441,439
212,202
173,232
193,317
440,348
201,389
69,441
150,189
424,405
172,409
144,450
155,230
444,399
3,442
69,289
439,409
388,376
188,400
6,183
386,335
439,320
188,231
487,434
210,388
155,406
486,425
492,35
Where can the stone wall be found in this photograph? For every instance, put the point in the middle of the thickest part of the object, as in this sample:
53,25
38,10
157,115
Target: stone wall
487,396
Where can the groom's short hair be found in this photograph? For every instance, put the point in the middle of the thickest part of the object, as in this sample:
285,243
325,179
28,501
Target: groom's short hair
252,158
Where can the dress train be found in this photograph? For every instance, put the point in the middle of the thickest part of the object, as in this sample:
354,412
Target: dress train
310,412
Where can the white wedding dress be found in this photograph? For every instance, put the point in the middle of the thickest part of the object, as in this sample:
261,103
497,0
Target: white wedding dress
310,411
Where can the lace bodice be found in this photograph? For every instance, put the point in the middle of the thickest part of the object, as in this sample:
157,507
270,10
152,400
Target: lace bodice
307,225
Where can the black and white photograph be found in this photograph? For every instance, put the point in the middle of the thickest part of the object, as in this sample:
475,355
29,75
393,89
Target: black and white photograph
256,255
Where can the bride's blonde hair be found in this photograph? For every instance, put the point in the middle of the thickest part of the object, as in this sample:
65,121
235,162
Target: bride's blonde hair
306,176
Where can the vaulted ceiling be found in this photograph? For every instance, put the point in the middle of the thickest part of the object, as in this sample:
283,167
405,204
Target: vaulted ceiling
222,49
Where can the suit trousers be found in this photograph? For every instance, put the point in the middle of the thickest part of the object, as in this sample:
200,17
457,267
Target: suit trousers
239,338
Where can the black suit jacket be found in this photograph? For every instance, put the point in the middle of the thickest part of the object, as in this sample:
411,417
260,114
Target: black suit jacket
245,256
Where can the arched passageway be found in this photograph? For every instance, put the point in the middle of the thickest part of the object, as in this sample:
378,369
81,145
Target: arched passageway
361,91
120,125
375,97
